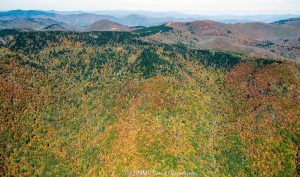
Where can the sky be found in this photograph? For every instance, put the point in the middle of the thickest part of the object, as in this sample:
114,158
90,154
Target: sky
197,7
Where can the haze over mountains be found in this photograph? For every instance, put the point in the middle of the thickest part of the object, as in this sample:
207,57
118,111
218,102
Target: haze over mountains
85,19
133,18
279,39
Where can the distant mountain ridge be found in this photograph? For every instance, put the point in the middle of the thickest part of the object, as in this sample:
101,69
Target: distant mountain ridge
133,18
252,39
15,14
35,24
274,40
26,13
294,22
40,24
85,19
280,22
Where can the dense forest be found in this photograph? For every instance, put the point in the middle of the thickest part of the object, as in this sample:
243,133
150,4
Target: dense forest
106,103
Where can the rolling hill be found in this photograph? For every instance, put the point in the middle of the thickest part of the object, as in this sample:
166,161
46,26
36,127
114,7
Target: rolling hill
252,39
106,25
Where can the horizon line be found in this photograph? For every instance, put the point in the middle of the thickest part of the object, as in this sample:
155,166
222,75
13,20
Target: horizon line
184,13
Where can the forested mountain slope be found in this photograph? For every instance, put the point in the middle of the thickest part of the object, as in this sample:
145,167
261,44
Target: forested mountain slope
108,103
253,39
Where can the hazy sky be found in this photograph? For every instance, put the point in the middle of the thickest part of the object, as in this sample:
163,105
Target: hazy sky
187,6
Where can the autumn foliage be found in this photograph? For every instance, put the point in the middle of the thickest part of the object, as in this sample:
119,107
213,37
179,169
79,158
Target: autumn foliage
103,103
